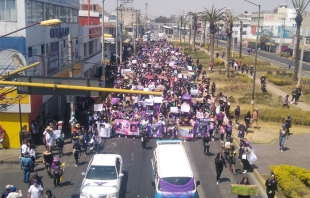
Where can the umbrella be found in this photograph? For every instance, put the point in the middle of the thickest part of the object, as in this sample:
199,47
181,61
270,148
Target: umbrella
186,97
150,77
144,49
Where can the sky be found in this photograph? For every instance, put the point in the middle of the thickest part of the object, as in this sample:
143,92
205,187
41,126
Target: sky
167,8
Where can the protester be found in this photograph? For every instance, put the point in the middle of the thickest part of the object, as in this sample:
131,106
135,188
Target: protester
32,155
57,171
244,181
25,166
285,101
244,150
255,117
144,139
14,194
33,178
206,143
232,159
287,123
49,194
219,164
35,190
76,151
271,186
48,161
283,135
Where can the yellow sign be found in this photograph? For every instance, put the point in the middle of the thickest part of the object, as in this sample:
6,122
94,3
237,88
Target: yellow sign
10,96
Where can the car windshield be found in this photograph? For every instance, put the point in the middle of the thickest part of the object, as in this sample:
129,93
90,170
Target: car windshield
177,180
101,173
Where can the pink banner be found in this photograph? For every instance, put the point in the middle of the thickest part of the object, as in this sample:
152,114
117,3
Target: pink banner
126,127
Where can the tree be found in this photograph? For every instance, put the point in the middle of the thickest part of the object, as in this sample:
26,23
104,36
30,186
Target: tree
182,20
229,19
195,16
263,39
300,6
203,18
213,16
241,33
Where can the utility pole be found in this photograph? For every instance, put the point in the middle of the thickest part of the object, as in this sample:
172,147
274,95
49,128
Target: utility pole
72,99
116,42
241,32
146,4
121,41
102,49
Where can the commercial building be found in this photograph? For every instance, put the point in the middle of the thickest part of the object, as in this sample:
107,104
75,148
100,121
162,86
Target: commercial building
47,45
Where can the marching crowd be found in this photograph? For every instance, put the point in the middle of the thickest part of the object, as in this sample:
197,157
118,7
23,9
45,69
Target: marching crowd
188,101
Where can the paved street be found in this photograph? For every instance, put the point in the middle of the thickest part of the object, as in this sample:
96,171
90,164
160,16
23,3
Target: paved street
137,171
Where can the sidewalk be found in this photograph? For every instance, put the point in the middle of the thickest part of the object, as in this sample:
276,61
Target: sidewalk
270,87
11,155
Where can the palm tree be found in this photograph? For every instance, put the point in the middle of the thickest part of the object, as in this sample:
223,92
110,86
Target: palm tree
195,16
203,18
213,16
300,6
182,21
229,19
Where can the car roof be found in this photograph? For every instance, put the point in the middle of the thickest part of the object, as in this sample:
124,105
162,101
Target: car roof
104,159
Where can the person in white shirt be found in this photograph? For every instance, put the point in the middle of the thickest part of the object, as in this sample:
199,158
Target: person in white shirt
49,137
24,148
14,194
32,155
35,190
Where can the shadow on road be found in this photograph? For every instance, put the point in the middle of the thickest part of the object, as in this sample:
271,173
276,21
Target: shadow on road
123,189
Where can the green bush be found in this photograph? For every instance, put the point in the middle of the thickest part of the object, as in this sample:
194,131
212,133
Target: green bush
218,62
280,81
294,181
299,117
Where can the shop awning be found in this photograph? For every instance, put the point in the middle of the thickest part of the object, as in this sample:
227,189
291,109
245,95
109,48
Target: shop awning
270,44
250,40
108,36
109,40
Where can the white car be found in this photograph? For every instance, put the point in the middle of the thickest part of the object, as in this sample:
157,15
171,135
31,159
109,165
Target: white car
103,177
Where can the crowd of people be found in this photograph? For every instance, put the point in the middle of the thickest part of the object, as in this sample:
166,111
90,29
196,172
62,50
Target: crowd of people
189,107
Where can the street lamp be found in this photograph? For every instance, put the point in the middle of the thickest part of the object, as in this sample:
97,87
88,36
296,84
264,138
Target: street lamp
51,22
255,59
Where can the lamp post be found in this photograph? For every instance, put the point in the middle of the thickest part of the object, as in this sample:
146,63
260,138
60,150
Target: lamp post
255,59
121,42
51,22
302,51
102,49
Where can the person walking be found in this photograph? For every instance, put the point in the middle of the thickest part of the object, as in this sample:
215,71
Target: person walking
237,114
48,161
56,167
222,131
35,190
32,155
241,131
271,186
294,96
285,101
255,117
283,135
244,181
76,151
144,138
7,191
25,166
96,141
288,124
219,165
244,150
61,144
33,178
228,131
247,120
232,159
213,88
206,143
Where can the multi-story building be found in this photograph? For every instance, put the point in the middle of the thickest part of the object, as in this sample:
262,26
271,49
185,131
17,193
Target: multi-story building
47,45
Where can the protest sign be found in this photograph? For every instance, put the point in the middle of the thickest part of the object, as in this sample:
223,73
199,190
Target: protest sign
174,110
245,190
190,68
134,61
180,76
155,130
57,133
126,127
158,99
98,107
200,127
186,133
105,130
194,92
185,107
171,63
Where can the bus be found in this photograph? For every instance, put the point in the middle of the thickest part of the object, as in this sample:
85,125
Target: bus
171,171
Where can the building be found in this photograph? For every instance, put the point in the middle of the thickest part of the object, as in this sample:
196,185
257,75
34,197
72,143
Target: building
47,45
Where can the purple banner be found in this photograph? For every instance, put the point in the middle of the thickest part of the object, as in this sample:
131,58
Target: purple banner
200,127
155,130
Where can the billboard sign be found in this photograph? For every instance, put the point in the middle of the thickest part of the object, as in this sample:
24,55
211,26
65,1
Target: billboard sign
12,54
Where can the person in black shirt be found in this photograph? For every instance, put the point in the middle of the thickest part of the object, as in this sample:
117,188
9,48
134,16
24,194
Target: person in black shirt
244,181
237,114
219,164
271,186
206,143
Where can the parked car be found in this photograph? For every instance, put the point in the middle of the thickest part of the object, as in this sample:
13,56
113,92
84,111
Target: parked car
103,177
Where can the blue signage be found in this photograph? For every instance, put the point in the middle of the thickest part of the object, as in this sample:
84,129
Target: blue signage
59,32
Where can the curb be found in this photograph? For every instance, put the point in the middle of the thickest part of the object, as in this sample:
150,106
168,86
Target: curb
18,161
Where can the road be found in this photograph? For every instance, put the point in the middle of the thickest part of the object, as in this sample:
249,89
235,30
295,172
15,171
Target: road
270,57
137,171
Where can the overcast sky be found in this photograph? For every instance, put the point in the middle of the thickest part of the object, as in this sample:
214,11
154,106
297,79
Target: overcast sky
170,7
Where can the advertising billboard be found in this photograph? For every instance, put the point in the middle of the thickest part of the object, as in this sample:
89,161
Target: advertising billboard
12,54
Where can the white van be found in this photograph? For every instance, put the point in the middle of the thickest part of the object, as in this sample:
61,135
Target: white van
171,171
103,177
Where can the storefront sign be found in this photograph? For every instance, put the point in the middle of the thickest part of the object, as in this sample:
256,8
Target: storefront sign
95,32
59,32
